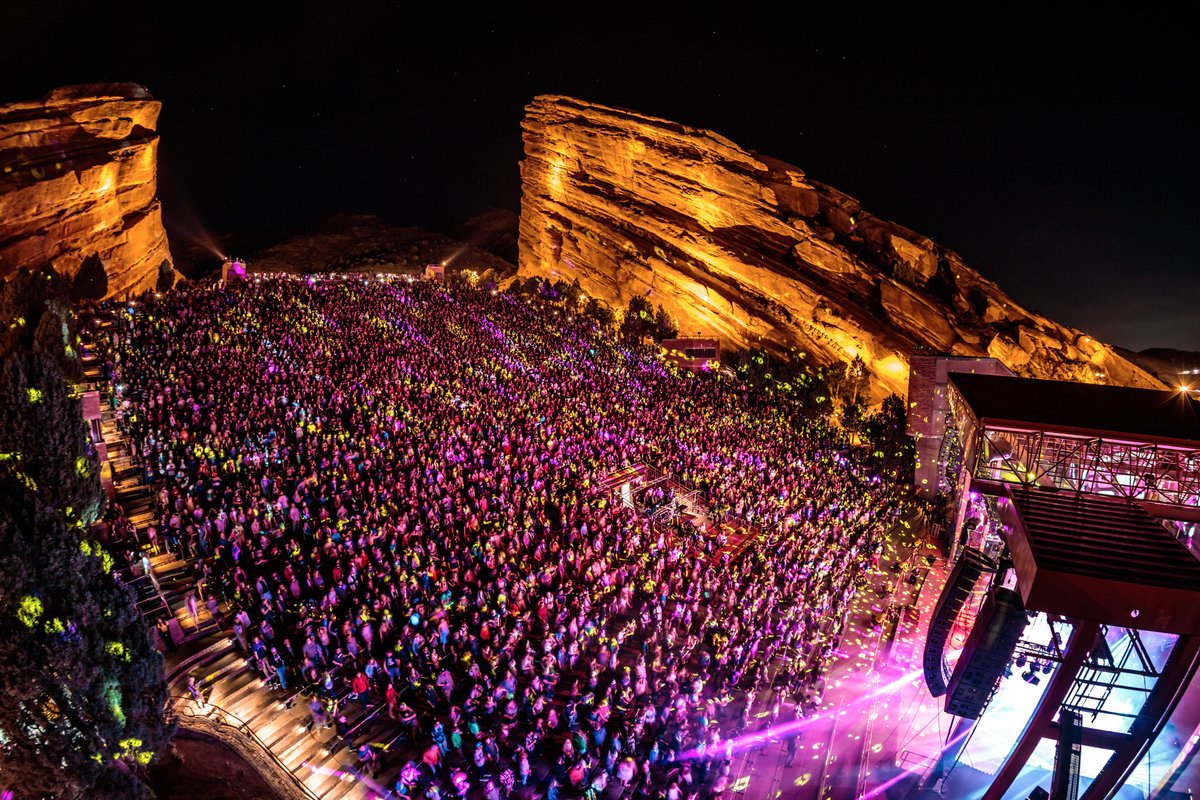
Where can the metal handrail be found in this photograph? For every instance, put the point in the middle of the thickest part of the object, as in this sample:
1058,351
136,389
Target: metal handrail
179,704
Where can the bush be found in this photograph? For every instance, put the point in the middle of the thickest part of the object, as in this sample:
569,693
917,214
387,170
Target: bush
166,277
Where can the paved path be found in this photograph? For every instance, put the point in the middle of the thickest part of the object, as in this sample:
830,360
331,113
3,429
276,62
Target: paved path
875,717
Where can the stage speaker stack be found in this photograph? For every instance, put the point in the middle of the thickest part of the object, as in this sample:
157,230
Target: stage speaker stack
1067,756
959,586
988,650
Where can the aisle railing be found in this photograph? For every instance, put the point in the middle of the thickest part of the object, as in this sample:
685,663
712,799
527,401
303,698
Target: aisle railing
184,706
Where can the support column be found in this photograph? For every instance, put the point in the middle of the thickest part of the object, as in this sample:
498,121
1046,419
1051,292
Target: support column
1080,645
1151,719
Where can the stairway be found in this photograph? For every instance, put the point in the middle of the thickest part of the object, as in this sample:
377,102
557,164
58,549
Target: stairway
233,689
137,503
235,692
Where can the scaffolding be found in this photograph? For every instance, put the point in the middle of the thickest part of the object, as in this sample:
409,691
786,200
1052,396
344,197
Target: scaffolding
1149,471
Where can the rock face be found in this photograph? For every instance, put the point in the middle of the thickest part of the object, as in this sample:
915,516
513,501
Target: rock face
78,173
747,248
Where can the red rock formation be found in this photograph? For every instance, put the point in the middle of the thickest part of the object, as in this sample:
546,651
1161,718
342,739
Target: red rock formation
78,175
750,250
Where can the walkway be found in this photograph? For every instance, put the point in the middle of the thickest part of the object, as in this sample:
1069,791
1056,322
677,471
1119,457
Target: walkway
872,714
235,694
279,721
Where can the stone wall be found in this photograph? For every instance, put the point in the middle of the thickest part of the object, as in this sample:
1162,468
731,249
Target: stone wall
748,249
78,177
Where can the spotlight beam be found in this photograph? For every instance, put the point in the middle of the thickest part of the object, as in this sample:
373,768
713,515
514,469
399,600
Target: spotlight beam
787,730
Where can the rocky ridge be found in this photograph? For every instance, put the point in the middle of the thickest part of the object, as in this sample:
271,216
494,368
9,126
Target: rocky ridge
78,177
749,249
364,243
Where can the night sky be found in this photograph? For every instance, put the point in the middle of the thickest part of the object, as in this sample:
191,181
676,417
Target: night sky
1056,154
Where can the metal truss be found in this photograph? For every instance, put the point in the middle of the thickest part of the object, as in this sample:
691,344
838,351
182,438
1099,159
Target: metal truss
1134,470
1101,673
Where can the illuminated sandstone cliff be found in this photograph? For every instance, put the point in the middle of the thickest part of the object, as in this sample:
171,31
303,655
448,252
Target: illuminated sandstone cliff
78,178
747,248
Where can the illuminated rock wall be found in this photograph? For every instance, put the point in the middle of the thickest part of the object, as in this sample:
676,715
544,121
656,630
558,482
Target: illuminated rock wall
78,173
748,249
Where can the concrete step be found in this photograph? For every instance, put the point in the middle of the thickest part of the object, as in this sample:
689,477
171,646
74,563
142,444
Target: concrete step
278,732
244,689
303,746
264,709
339,763
346,786
178,671
286,735
321,747
167,560
143,509
223,667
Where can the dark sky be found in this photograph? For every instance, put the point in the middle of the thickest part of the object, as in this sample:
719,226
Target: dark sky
1056,154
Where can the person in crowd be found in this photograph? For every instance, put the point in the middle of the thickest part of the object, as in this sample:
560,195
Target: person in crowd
409,479
193,688
193,609
164,633
320,718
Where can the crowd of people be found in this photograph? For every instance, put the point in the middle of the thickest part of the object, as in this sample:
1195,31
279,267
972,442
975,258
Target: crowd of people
393,487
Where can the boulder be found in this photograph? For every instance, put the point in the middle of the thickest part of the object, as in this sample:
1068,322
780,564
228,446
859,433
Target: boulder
78,178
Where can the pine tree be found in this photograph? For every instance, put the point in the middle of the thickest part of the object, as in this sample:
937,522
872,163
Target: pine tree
665,326
43,438
892,450
638,321
571,293
599,311
82,691
166,277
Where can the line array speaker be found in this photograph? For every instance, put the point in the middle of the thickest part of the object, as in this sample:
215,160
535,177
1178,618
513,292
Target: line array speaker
988,650
959,586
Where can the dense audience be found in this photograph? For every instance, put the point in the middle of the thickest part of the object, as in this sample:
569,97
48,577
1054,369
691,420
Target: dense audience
394,486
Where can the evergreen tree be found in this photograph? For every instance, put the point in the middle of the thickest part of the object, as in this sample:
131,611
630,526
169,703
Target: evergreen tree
599,311
568,293
24,299
82,692
166,277
665,326
638,321
42,436
848,381
892,450
532,286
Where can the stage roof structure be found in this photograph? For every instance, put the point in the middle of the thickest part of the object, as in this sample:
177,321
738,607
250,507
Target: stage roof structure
1100,558
1061,405
1140,444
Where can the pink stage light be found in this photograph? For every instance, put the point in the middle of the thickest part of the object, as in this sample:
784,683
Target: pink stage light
789,729
883,787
